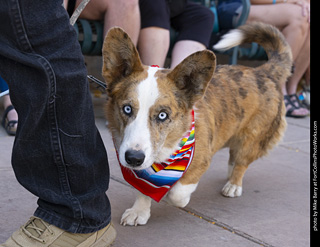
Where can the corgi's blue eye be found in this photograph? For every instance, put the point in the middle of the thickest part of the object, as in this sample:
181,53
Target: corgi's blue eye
162,116
127,110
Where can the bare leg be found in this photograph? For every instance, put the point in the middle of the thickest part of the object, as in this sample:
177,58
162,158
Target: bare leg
302,64
126,14
122,13
153,45
184,48
288,18
12,115
295,28
307,76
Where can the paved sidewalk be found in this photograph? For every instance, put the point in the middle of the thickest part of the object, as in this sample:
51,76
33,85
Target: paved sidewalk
273,210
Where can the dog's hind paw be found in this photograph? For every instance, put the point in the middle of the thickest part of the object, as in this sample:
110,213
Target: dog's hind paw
231,190
134,217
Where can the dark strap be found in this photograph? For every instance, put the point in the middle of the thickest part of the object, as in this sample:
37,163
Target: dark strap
295,100
9,124
9,108
288,102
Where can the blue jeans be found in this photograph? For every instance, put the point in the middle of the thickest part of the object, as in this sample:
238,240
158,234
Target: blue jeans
58,153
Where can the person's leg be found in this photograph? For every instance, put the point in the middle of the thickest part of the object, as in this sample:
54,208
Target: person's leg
302,63
154,39
125,14
194,26
122,13
295,28
288,18
153,45
184,48
11,116
307,76
58,154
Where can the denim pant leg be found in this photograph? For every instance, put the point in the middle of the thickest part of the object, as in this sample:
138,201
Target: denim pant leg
58,153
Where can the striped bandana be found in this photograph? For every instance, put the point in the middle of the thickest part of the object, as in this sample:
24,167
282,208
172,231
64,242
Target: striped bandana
158,179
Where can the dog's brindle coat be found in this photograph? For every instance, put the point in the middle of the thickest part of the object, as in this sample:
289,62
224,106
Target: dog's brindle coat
237,107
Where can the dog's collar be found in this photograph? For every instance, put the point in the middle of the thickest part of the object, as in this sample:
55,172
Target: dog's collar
158,179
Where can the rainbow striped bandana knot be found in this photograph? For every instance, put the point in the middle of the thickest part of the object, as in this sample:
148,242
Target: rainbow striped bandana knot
158,179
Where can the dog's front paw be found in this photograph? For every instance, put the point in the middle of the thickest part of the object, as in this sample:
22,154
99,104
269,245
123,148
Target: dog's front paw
134,217
180,194
177,201
231,190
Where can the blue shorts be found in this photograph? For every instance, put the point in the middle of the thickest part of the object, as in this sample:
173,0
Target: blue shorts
3,85
228,13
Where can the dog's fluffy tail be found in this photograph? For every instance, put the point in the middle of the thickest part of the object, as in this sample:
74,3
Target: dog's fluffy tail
270,38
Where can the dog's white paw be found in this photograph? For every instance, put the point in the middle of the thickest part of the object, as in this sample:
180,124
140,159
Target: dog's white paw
180,202
180,194
134,217
231,190
140,212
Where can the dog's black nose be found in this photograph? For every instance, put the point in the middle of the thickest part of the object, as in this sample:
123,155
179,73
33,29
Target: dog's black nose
134,158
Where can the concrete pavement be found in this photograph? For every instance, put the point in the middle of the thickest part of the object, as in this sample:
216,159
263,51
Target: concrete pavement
273,210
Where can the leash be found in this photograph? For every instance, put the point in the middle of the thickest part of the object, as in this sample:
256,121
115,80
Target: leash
102,84
98,82
73,20
78,11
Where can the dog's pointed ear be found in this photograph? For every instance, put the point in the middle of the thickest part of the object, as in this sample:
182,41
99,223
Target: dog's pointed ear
120,57
193,74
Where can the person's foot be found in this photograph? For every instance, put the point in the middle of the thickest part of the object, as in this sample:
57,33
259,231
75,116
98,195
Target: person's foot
294,107
37,232
10,120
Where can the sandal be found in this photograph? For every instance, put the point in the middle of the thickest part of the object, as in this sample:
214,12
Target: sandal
9,126
296,102
305,97
292,105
